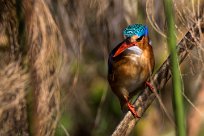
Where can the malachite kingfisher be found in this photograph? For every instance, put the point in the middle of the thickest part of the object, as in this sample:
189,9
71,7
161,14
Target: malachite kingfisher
130,65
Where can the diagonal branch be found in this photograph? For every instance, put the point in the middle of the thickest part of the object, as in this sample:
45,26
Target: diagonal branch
161,77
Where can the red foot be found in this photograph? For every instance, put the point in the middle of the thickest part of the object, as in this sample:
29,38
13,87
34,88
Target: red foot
150,86
132,110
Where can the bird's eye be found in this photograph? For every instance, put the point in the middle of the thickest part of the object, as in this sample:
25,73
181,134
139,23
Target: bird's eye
139,39
128,40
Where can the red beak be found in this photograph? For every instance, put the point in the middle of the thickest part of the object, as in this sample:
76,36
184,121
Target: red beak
123,47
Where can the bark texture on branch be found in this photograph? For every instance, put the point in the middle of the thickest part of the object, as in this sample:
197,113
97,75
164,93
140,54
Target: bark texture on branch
159,80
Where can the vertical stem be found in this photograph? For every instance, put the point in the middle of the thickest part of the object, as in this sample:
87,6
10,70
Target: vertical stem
176,78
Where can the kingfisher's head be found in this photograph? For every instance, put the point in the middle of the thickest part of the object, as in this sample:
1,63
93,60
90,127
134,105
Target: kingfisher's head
135,35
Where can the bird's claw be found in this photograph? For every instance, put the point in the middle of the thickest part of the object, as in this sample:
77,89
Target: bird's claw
132,110
150,86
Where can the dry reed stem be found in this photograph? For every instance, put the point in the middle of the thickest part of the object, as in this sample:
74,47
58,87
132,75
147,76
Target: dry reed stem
196,116
47,57
150,16
13,116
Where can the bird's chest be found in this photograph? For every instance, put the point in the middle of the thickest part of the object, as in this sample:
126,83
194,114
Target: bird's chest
132,71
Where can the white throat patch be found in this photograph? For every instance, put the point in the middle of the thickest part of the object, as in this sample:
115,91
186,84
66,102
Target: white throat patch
136,50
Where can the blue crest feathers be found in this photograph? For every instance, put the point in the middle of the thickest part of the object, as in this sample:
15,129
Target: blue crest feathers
135,29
